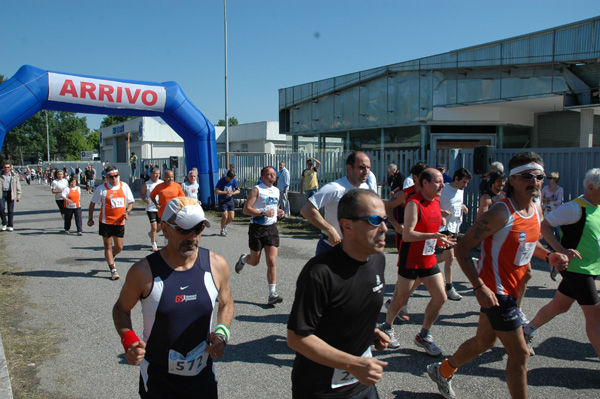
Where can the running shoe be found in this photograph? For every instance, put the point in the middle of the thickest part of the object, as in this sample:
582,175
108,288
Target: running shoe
553,273
239,266
273,299
114,275
3,227
427,344
223,233
528,339
453,295
80,233
444,384
9,228
64,231
401,317
154,247
394,344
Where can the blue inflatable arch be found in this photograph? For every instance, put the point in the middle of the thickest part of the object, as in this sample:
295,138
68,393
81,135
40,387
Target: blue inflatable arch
32,89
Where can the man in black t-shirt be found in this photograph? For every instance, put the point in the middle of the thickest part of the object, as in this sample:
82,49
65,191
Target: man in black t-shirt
339,294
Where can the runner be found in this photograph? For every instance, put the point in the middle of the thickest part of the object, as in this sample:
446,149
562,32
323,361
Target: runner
338,297
417,262
71,197
262,205
358,166
177,288
451,203
116,202
510,232
151,209
190,185
166,191
579,221
226,188
57,186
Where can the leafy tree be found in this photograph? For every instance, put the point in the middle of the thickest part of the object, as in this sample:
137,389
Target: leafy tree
93,140
232,121
110,120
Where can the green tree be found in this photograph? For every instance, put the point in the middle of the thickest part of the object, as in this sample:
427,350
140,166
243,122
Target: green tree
232,121
110,120
93,140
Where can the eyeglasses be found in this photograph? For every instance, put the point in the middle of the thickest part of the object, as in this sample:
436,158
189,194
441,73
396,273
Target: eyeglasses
373,220
6,167
531,176
199,228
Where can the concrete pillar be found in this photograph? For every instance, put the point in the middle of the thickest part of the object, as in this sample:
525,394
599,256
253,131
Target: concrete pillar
424,143
586,128
535,132
500,137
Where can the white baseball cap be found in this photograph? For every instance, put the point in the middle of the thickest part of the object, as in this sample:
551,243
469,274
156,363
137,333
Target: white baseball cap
185,213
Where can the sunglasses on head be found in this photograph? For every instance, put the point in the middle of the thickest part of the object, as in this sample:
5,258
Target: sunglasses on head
531,176
373,220
199,228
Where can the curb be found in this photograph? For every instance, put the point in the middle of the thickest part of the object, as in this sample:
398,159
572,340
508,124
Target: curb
5,388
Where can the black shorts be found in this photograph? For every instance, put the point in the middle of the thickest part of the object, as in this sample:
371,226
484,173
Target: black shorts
504,317
438,250
153,216
581,287
111,230
262,236
226,205
61,206
413,274
161,384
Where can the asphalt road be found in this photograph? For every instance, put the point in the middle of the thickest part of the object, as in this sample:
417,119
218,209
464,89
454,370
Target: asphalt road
70,287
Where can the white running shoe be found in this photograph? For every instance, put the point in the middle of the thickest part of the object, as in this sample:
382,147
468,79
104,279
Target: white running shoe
444,384
154,247
114,275
453,294
3,227
394,344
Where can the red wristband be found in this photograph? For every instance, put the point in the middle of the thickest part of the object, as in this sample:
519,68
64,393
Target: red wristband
129,338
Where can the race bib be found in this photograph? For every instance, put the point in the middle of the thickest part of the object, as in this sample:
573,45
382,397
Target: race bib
429,247
524,253
457,211
341,378
72,205
190,364
118,202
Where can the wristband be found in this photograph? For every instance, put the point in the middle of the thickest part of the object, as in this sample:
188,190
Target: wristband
478,287
129,338
222,331
548,257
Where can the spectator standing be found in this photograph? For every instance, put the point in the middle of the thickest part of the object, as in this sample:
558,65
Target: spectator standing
283,184
11,191
133,162
494,167
309,183
71,197
226,188
395,178
57,186
442,168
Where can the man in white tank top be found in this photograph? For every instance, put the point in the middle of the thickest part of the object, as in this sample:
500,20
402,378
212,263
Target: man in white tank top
151,209
263,207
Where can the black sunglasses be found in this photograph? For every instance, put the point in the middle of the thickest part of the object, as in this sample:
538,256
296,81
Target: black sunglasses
115,176
373,220
531,176
199,228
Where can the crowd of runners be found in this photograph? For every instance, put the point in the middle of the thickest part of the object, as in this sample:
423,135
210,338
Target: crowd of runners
340,290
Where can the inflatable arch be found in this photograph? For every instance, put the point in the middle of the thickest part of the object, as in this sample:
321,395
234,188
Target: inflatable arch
32,89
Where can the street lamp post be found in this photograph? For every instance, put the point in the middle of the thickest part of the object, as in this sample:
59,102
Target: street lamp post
226,105
47,136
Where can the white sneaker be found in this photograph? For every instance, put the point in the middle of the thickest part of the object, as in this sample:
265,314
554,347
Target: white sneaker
3,227
114,275
427,343
10,229
444,384
223,233
154,247
453,295
394,344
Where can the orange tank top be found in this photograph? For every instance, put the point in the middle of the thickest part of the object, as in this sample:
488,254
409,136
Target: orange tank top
506,254
113,206
74,195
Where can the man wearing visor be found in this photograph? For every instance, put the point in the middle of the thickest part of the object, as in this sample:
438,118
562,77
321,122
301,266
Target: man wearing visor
509,234
177,287
116,202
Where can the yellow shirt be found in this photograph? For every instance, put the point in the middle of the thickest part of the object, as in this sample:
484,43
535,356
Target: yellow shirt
310,179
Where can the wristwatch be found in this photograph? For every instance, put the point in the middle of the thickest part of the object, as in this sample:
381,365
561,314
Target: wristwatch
263,213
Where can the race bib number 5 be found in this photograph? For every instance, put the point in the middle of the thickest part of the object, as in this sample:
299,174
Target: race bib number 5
341,378
189,365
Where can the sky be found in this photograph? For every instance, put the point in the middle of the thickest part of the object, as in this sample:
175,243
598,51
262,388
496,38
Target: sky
271,44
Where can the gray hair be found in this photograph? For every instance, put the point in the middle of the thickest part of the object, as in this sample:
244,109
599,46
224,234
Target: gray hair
592,177
393,166
498,165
